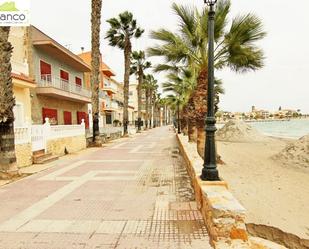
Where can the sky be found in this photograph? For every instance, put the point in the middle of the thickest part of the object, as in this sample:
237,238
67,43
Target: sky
284,81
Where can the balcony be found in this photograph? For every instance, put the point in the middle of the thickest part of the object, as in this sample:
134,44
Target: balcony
52,86
109,87
109,105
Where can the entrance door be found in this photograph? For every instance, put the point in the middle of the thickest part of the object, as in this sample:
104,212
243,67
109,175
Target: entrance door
45,69
64,80
67,117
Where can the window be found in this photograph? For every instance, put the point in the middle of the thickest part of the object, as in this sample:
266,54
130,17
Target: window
52,114
131,93
78,81
64,75
108,118
45,70
67,118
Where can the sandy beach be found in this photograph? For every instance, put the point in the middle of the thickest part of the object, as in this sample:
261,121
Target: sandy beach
274,194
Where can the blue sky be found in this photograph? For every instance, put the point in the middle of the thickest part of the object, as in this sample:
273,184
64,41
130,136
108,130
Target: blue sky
282,82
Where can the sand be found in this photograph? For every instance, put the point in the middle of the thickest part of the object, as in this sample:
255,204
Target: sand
274,194
295,153
239,131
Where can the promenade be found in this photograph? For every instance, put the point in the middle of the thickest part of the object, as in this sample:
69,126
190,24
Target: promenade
134,193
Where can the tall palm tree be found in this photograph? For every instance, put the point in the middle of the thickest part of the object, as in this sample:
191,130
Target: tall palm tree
8,165
122,30
150,85
96,6
182,82
235,48
139,65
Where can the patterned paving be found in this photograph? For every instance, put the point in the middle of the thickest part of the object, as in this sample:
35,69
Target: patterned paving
133,194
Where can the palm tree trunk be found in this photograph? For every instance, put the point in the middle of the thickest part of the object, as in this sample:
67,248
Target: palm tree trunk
95,66
139,96
192,133
201,136
184,125
150,109
147,108
127,64
8,166
200,105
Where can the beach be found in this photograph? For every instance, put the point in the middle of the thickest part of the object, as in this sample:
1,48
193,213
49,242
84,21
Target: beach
274,194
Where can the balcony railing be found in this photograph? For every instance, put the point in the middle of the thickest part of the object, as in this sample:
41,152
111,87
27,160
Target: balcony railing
47,80
108,86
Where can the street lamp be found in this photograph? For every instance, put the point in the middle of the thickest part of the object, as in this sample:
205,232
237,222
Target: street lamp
210,172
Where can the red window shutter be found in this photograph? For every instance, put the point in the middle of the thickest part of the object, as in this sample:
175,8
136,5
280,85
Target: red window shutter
64,75
78,81
52,114
83,115
67,117
45,68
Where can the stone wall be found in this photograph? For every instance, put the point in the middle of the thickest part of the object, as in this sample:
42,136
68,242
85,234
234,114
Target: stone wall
61,146
224,216
23,155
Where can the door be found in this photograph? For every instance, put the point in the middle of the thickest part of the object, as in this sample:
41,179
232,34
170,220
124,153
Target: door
64,80
67,117
45,70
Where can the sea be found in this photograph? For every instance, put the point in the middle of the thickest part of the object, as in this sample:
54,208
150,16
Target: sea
294,128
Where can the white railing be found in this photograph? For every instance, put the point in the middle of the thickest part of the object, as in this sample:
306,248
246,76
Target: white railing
47,80
61,131
38,135
114,105
109,85
22,135
110,130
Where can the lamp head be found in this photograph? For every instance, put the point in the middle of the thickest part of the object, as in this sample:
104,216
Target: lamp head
210,2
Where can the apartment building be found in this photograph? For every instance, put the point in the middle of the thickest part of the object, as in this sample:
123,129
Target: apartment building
133,100
108,89
60,93
22,83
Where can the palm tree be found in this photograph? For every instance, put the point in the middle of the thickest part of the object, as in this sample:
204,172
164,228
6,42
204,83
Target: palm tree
182,82
139,65
122,30
8,167
96,6
150,86
235,48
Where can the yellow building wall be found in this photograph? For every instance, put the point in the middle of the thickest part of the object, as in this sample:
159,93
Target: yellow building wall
22,96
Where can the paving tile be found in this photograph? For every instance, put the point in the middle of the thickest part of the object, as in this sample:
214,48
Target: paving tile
135,193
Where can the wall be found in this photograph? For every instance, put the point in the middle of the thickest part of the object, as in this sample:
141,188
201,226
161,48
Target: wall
22,95
56,66
19,56
38,102
71,144
23,155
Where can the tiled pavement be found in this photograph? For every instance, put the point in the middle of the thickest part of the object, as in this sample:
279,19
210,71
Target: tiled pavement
133,194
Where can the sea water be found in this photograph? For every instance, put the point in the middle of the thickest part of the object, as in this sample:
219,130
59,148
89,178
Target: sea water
295,128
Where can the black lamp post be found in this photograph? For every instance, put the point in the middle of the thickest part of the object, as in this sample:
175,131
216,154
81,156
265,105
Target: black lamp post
210,172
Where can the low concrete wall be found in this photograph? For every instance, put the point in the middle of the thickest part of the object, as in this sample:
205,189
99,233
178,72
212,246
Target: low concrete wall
223,214
68,144
23,155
